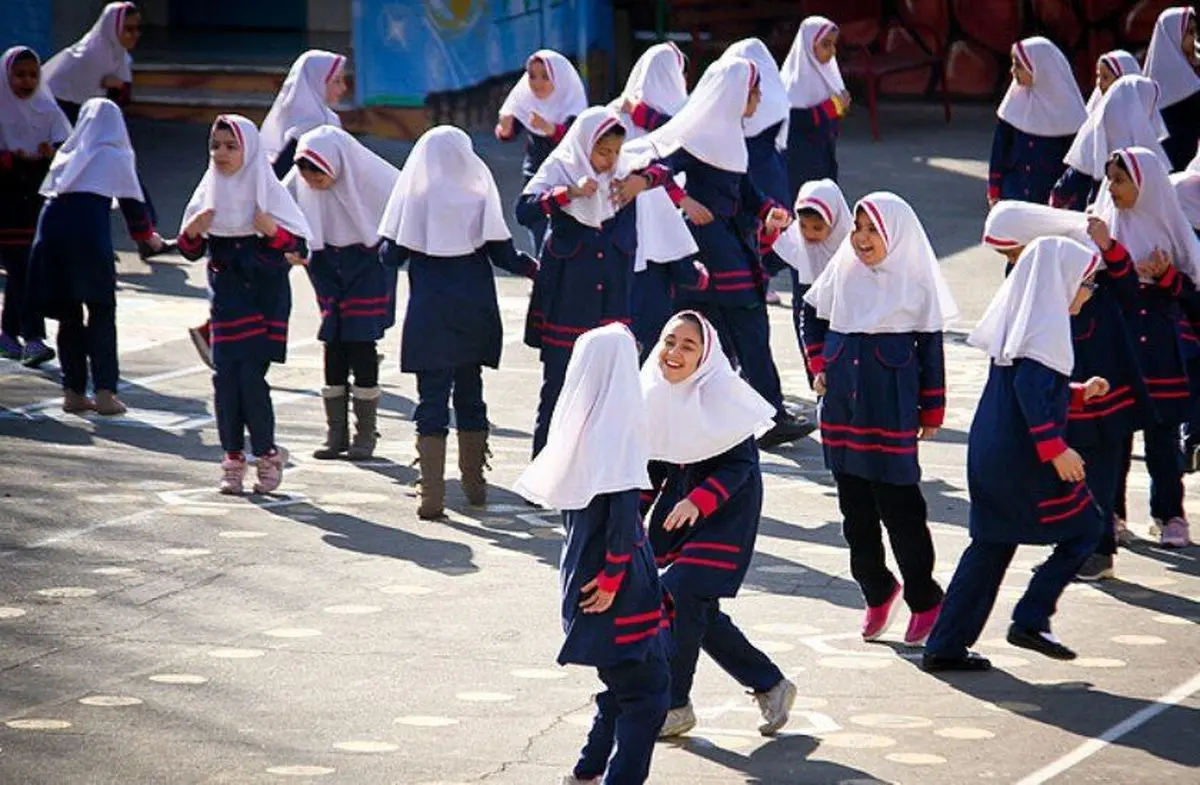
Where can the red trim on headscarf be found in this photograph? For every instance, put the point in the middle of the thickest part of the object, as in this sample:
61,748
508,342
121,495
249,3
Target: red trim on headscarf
236,130
546,63
753,75
1112,64
1024,56
1188,13
877,219
316,158
824,31
1000,242
602,129
333,69
824,208
1137,169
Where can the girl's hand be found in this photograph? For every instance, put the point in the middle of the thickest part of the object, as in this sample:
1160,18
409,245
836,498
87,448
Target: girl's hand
541,124
1069,466
778,218
45,150
1098,231
199,224
1156,265
696,212
844,97
505,124
595,599
265,224
1095,387
584,188
627,189
296,259
927,432
684,514
819,384
626,106
112,83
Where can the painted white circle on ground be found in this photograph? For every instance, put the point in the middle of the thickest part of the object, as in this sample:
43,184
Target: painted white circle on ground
408,590
12,613
242,535
352,610
1162,619
915,758
300,771
351,497
366,746
486,697
798,630
856,740
114,571
293,632
717,740
774,647
178,678
1097,662
184,551
1016,707
38,723
964,734
197,511
856,663
425,721
236,654
544,674
111,701
67,592
891,721
782,569
1138,640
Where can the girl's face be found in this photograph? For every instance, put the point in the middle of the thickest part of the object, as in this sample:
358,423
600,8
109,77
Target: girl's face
1104,78
1020,74
1189,40
605,153
814,229
335,88
24,76
868,243
752,101
539,80
227,155
1121,187
318,181
1086,289
682,347
131,30
826,48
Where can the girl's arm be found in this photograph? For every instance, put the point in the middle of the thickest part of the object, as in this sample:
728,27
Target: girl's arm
643,116
1177,284
191,248
735,468
121,96
531,209
504,255
667,168
814,329
932,363
1120,275
137,220
821,119
620,538
284,161
689,274
1034,385
392,255
1001,143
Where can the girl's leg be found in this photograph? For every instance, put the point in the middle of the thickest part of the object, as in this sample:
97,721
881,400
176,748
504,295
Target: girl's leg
334,397
593,759
470,410
554,370
798,292
365,397
337,365
861,527
642,692
14,292
1104,466
433,423
692,615
905,516
470,418
969,599
72,348
1164,462
257,409
1119,508
736,655
1040,600
102,350
227,402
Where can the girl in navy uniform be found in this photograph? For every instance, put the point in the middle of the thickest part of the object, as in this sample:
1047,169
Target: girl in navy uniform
733,223
1141,207
1126,116
614,611
546,100
1110,67
655,91
247,223
822,222
1172,61
444,219
32,126
1027,486
1012,224
1038,118
704,511
881,371
342,188
819,101
71,264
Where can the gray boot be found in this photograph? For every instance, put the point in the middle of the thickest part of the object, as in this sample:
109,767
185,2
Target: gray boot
366,406
472,460
431,454
337,437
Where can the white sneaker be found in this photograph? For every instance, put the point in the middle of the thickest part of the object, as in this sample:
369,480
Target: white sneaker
775,705
679,721
1156,528
1175,534
571,779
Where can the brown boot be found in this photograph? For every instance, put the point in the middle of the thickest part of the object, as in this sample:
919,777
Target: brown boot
107,403
472,460
77,403
431,454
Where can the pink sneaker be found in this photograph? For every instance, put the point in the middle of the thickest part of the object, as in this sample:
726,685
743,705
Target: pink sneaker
1175,534
920,625
233,474
880,617
270,470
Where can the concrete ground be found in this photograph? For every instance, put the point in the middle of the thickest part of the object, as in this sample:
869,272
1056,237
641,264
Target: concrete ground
153,632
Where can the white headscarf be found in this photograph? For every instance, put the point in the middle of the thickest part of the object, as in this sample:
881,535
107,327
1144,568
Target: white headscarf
1126,117
445,202
774,107
1187,190
1014,224
599,432
26,123
1029,315
571,162
706,414
75,73
1165,61
1120,63
569,98
809,259
97,157
808,82
904,293
301,105
1157,220
1052,105
237,197
347,213
657,80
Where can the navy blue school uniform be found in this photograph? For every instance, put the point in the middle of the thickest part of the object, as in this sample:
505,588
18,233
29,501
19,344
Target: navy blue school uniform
655,291
812,145
1025,166
452,329
628,644
20,206
356,295
286,159
537,150
1182,120
708,560
767,168
1075,190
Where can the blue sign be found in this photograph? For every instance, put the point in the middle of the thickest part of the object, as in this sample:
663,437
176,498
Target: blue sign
27,23
405,50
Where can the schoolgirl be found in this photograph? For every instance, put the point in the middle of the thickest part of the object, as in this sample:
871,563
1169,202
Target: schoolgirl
1140,206
733,223
655,91
614,612
1100,429
31,128
444,218
1172,62
342,188
882,373
247,223
546,100
818,99
704,511
1126,116
822,223
71,263
1110,67
1038,118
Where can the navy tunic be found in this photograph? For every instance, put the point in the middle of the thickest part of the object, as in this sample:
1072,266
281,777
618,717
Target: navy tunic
768,165
606,540
1165,342
1016,494
1183,123
537,147
20,202
1025,166
1075,190
812,145
356,294
710,557
453,317
655,291
880,389
250,299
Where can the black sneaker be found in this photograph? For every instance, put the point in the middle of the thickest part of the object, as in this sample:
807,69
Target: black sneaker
788,428
1041,642
933,663
1098,567
36,353
146,251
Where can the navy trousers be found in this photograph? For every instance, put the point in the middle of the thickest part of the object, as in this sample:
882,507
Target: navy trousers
242,399
798,292
1104,462
20,319
1164,463
435,392
745,333
629,715
92,342
554,371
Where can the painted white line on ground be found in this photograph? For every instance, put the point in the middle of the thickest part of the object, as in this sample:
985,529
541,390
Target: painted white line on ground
72,534
1122,728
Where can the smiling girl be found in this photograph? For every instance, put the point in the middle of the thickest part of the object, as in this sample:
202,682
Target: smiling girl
1172,62
818,99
